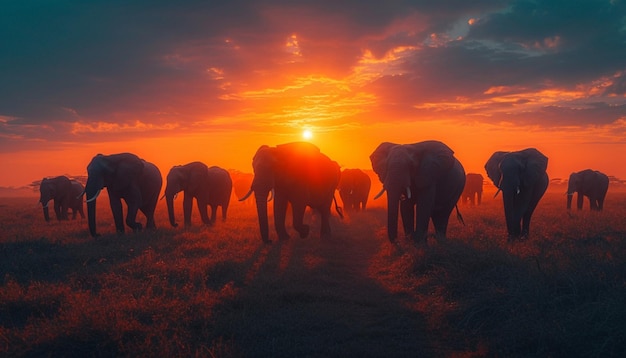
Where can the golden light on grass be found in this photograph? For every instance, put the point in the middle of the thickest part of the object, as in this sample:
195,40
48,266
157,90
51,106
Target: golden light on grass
153,292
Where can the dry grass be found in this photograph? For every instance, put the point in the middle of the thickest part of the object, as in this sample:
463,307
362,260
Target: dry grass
219,292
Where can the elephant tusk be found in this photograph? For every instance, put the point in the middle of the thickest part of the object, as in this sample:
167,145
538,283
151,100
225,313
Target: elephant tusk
517,192
497,192
247,195
94,197
81,194
408,192
379,194
271,196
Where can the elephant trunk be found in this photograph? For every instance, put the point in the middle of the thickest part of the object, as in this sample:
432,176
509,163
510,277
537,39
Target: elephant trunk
170,209
261,209
91,217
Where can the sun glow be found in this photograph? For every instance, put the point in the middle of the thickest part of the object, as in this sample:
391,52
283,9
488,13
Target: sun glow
307,134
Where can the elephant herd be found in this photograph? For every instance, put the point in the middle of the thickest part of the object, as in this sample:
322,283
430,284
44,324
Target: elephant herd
424,181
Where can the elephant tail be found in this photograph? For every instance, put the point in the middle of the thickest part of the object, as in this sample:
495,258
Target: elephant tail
338,208
458,215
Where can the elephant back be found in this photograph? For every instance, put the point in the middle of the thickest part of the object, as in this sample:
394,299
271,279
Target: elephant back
221,184
534,159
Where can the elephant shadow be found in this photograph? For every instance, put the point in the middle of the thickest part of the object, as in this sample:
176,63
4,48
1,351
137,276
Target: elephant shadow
312,283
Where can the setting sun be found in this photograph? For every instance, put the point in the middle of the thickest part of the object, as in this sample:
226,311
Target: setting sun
307,134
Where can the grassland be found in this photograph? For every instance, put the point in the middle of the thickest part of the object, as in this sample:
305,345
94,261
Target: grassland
219,292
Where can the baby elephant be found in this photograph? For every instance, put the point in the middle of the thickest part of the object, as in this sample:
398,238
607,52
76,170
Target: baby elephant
66,194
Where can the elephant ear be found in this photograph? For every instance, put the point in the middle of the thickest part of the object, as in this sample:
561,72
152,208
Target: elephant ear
379,159
264,157
176,179
535,165
101,164
492,167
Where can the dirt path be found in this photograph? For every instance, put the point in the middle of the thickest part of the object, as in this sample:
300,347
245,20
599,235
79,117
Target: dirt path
311,297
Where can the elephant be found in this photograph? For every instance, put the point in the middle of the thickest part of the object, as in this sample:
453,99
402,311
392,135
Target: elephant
209,186
424,176
298,174
66,193
473,190
128,177
221,191
241,184
522,178
589,183
354,189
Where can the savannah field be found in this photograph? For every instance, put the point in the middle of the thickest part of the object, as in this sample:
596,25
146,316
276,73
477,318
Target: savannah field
220,292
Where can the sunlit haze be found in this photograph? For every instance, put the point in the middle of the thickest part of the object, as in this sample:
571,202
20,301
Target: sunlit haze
175,82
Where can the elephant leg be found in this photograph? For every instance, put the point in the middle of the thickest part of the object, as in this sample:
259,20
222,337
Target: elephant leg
213,213
526,218
224,211
440,218
297,211
579,201
479,195
600,203
116,209
187,207
425,204
440,222
407,214
133,201
325,218
73,214
202,208
148,210
58,211
280,212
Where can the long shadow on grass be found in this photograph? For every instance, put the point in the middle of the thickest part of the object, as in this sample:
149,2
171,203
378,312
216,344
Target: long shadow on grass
531,306
44,260
312,297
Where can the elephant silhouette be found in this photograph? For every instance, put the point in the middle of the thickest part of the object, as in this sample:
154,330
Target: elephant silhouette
473,190
590,183
298,174
127,177
425,180
65,193
354,189
522,178
209,186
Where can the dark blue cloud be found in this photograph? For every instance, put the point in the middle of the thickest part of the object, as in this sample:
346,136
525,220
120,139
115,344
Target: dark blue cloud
102,60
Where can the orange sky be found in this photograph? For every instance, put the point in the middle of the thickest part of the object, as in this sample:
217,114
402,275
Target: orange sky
213,84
